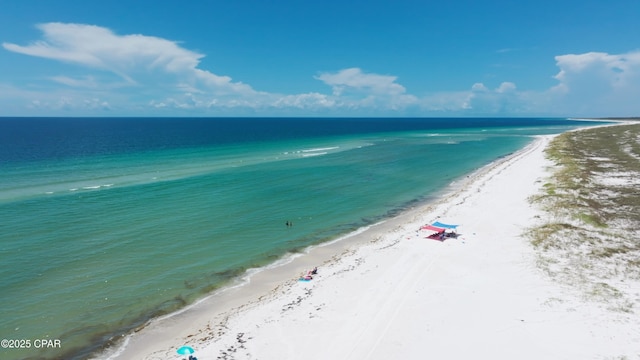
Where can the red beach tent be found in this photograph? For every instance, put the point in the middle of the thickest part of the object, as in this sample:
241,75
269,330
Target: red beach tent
432,228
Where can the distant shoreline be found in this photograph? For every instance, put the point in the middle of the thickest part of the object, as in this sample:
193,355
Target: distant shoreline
623,119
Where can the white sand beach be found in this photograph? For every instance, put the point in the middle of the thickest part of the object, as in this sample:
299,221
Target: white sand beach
390,293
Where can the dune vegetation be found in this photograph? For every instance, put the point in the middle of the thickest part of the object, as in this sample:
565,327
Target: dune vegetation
590,236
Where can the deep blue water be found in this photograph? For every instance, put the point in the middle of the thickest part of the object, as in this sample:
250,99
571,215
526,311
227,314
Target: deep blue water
106,223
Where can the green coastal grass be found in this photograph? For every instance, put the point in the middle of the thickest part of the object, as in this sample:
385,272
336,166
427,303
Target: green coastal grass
591,238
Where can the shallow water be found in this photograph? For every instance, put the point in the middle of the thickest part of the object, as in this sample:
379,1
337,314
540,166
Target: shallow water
107,223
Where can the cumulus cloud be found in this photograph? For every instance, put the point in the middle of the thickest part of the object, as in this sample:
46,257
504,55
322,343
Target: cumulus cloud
171,74
143,72
304,101
355,79
127,56
479,87
14,100
354,88
70,104
595,81
506,87
505,99
445,102
478,100
612,71
589,84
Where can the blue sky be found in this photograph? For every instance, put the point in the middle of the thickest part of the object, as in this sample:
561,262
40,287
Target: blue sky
320,58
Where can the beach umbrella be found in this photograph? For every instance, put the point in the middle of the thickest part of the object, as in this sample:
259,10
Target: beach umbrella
186,350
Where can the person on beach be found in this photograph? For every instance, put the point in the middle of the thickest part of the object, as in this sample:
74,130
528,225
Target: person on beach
306,277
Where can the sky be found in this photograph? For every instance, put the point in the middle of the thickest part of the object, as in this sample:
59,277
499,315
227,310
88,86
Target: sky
458,58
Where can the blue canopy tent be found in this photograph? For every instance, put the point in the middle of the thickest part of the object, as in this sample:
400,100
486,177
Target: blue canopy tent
446,226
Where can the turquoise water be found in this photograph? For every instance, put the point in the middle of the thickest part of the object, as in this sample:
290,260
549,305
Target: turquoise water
106,225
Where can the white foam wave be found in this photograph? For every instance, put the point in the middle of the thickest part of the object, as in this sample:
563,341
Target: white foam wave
321,149
314,154
96,187
115,352
87,188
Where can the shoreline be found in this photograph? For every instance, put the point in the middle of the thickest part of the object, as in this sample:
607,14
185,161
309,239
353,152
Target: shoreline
269,313
244,291
279,272
283,272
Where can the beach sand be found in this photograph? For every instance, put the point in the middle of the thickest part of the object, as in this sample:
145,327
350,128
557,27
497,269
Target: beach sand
390,293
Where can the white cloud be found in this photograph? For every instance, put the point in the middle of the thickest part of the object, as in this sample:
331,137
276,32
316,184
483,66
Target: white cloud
355,79
598,83
14,100
85,82
589,84
304,101
478,100
506,87
96,104
616,71
505,99
137,73
128,56
179,82
446,102
479,87
353,88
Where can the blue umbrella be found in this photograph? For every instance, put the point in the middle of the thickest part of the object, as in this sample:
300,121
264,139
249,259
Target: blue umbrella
186,350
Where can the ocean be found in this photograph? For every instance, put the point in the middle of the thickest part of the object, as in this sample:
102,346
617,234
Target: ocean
107,223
